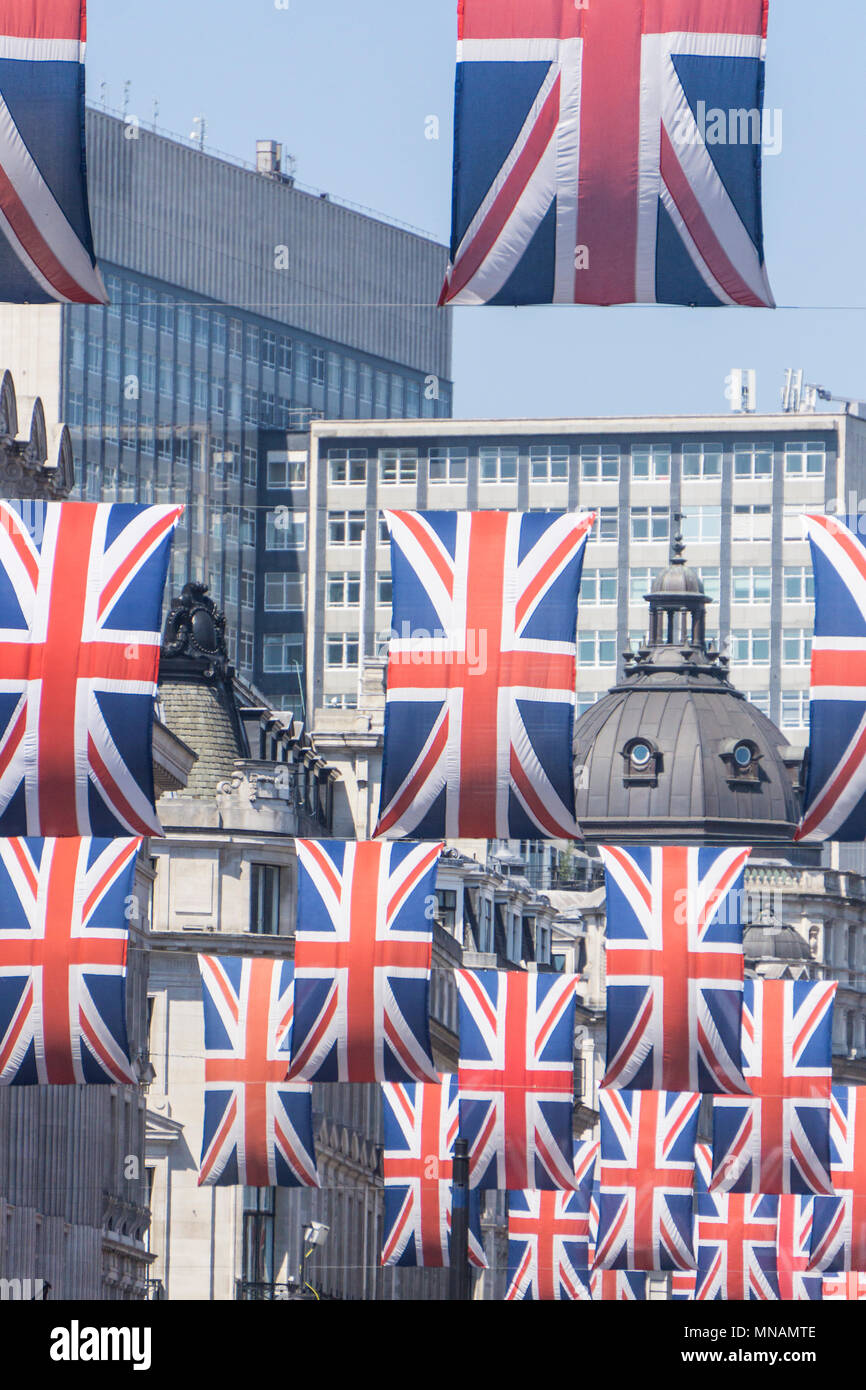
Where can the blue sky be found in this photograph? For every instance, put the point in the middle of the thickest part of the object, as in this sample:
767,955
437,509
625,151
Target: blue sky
347,88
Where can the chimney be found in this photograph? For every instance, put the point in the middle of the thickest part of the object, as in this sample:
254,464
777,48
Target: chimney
269,157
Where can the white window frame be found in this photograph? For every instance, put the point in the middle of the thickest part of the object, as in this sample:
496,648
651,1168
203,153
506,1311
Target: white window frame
600,463
455,460
658,463
706,528
342,579
597,578
496,456
599,638
653,514
752,574
351,463
348,641
543,458
347,519
745,465
403,462
801,637
805,449
284,580
290,536
288,642
752,636
754,512
805,578
703,453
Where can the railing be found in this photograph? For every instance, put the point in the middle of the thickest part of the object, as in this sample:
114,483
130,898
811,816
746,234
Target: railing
254,1291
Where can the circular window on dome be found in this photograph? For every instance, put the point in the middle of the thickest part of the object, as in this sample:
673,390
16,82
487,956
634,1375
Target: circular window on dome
743,755
641,754
641,760
743,758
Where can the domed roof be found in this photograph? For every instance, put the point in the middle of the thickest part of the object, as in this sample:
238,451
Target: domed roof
679,578
772,940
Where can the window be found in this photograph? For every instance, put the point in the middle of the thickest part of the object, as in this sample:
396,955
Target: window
343,701
282,652
796,646
702,524
640,583
265,899
184,323
710,577
548,463
596,649
586,699
285,530
166,378
251,406
248,589
350,379
398,465
201,319
651,463
287,470
94,356
599,463
285,355
485,926
447,465
751,584
132,300
236,337
384,591
366,379
183,383
251,464
792,519
446,908
381,393
246,651
343,590
317,360
751,646
606,528
760,699
702,461
149,313
345,528
166,313
798,584
231,585
397,396
341,650
753,461
269,348
650,523
751,523
302,362
383,535
258,1235
284,593
805,459
347,467
795,709
497,464
599,587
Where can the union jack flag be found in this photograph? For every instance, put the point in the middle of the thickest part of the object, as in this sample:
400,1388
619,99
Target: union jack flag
779,1141
63,944
839,1223
736,1236
593,159
47,253
835,798
646,1180
796,1283
420,1130
674,960
363,954
617,1286
482,675
848,1286
258,1128
549,1236
683,1285
80,601
516,1078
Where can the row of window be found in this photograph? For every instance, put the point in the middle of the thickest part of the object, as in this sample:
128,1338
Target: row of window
749,584
794,711
747,647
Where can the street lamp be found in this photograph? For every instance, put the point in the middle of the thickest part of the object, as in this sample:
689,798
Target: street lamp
315,1234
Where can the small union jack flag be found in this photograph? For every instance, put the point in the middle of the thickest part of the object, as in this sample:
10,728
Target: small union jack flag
848,1286
618,1286
549,1238
779,1141
736,1236
839,1222
258,1128
796,1283
674,965
516,1078
683,1285
834,805
646,1180
420,1130
44,217
63,945
482,675
363,954
80,600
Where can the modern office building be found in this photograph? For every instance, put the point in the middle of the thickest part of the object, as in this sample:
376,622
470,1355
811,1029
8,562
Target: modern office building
239,303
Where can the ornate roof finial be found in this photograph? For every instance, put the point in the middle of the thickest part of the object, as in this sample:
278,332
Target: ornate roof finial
678,545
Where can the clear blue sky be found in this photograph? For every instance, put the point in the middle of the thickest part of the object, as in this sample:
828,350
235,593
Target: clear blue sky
347,86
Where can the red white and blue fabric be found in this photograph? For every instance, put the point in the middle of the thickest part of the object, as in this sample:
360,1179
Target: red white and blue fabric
839,1222
683,1286
46,246
735,1237
63,946
848,1286
549,1238
258,1127
674,967
778,1141
81,588
618,1286
363,954
516,1077
646,1180
482,675
834,805
797,1284
420,1130
592,158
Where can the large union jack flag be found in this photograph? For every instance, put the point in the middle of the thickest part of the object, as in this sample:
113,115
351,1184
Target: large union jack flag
835,797
482,675
674,966
779,1140
417,1166
646,1180
609,153
735,1236
81,589
516,1078
46,247
549,1238
63,945
839,1222
258,1128
363,954
793,1247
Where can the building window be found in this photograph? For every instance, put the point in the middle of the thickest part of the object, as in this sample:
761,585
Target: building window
285,530
599,463
343,590
596,649
284,360
284,592
265,899
345,528
231,587
287,470
606,528
236,338
651,463
269,348
640,583
795,709
599,587
251,464
384,591
258,1235
751,584
347,467
248,588
246,651
751,646
447,466
184,323
398,466
248,526
650,524
702,461
497,464
548,463
753,461
751,523
446,909
796,646
282,652
701,524
342,650
485,926
317,361
798,584
805,459
760,699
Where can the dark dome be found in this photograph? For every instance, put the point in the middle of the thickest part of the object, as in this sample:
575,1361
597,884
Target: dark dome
679,579
774,941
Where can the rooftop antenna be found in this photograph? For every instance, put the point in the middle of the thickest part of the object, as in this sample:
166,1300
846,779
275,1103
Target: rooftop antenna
103,94
126,86
155,111
199,134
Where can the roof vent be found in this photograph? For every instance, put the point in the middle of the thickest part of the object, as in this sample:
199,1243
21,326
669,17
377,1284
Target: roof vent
269,157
